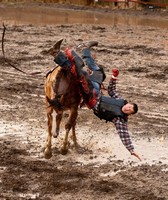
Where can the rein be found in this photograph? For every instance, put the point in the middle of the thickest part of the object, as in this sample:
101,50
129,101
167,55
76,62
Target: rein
7,60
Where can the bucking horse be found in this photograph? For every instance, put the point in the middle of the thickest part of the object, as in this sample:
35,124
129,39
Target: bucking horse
61,94
64,87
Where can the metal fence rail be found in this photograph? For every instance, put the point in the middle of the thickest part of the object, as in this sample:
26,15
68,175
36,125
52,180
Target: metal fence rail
137,2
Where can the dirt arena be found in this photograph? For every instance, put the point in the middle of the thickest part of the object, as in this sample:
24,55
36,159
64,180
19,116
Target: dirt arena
101,168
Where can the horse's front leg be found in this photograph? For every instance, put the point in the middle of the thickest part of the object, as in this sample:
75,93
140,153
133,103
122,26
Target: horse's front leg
64,148
47,151
59,115
68,126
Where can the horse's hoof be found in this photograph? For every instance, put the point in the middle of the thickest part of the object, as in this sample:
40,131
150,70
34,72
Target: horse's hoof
47,154
64,151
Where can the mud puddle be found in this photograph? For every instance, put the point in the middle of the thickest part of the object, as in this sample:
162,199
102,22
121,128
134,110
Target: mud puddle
39,15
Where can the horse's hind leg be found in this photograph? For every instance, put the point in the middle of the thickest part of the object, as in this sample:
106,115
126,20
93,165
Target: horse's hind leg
68,126
47,151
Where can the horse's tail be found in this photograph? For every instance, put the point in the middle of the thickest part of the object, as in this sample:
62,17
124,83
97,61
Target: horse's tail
54,102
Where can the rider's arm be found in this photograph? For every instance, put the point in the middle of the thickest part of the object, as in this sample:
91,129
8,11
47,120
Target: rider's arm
122,129
112,89
112,84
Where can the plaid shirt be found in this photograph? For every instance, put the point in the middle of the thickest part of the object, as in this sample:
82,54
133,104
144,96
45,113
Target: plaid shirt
120,123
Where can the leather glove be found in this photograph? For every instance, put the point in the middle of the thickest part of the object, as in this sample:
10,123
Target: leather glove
115,73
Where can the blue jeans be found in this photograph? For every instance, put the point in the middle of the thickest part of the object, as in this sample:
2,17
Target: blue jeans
96,87
86,55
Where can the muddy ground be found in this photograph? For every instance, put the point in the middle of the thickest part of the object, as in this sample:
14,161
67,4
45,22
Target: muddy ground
102,168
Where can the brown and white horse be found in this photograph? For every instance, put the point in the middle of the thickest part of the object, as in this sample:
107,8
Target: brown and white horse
62,93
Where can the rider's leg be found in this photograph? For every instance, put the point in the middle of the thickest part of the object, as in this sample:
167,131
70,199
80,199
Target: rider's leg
97,87
97,76
71,61
90,62
86,55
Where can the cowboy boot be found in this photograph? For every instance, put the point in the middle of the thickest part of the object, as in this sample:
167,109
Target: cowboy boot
87,45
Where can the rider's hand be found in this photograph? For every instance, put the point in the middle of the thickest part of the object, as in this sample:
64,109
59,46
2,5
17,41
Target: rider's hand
136,155
115,73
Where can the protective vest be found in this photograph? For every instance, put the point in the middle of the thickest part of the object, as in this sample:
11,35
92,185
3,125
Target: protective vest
110,108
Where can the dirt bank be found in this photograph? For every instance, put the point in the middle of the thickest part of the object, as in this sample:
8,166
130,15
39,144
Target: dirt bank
102,168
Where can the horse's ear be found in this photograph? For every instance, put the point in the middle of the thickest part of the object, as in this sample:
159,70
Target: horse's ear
57,45
55,49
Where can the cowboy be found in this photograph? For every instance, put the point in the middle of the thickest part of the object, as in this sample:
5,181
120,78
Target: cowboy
114,108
